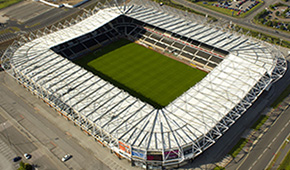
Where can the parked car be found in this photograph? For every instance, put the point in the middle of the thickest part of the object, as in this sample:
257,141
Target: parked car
66,157
17,158
27,156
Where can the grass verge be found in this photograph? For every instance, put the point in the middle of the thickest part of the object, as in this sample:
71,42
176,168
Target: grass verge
5,31
277,155
238,147
226,11
9,30
15,29
218,9
7,3
283,95
33,25
273,161
264,37
219,168
285,165
176,5
260,122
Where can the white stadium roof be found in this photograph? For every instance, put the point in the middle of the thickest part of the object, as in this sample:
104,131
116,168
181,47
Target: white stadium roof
204,108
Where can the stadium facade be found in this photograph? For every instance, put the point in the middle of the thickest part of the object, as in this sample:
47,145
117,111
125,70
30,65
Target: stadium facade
239,69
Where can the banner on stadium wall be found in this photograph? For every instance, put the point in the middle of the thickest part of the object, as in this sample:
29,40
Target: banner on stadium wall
171,154
154,155
124,147
138,153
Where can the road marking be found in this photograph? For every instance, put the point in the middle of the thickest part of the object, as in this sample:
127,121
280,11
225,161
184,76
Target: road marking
270,144
21,116
278,150
6,153
53,144
67,133
37,109
263,152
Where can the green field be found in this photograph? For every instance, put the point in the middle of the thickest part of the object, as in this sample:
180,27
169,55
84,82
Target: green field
144,73
6,3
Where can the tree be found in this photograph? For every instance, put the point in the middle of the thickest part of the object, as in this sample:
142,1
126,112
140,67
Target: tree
21,164
277,13
264,38
271,6
275,23
269,23
262,14
24,166
28,166
262,20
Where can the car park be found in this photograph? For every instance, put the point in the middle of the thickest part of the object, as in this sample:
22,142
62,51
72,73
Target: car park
241,6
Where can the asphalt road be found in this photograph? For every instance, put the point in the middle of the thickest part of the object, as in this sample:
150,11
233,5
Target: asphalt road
246,22
30,16
219,150
266,148
14,143
24,11
16,138
48,134
280,155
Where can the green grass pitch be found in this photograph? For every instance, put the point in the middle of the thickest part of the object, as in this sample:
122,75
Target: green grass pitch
144,73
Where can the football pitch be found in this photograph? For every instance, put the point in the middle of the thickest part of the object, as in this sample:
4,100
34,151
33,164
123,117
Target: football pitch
144,73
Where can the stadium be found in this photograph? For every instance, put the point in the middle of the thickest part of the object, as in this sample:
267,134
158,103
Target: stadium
234,70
